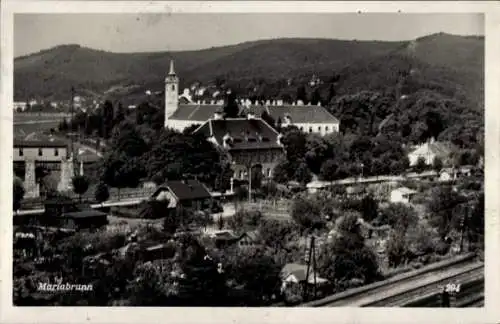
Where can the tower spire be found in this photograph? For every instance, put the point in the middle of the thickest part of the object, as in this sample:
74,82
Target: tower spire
171,72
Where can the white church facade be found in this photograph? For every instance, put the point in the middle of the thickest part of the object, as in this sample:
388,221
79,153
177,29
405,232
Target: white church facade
180,115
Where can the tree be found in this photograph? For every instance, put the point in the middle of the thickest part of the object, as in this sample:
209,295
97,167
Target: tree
475,224
329,170
107,119
17,193
445,207
254,273
231,108
398,215
301,94
80,185
307,214
316,97
421,165
101,192
276,233
302,173
369,208
437,164
347,257
244,220
331,93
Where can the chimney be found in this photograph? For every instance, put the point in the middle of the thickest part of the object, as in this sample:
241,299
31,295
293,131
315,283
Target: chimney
278,139
212,102
300,103
280,102
226,140
319,103
218,115
268,102
250,115
293,103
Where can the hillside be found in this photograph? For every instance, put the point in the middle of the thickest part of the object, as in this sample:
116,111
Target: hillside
359,65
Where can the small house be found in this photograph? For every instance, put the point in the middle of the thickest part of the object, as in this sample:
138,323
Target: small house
185,193
224,238
402,195
249,239
83,219
294,275
429,151
447,174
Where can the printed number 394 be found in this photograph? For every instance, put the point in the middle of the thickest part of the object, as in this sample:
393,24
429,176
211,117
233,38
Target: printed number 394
452,288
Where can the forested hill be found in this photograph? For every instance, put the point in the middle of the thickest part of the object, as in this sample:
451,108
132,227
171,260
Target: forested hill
451,63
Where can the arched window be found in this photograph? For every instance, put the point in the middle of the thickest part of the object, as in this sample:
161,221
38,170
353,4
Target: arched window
326,129
319,129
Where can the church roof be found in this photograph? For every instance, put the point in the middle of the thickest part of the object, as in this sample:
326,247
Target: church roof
303,114
245,133
298,114
195,112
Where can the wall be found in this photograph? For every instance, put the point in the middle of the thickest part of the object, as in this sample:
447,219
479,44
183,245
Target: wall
180,125
48,154
318,128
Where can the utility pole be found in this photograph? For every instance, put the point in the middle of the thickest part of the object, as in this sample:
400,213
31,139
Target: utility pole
250,183
72,112
310,253
463,227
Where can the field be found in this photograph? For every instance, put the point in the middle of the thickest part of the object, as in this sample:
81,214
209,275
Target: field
26,123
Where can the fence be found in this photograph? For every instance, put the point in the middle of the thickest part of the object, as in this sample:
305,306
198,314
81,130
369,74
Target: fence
115,194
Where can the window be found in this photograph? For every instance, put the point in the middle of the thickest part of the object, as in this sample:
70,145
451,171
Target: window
301,128
319,129
173,87
268,172
326,129
310,129
56,152
21,152
40,153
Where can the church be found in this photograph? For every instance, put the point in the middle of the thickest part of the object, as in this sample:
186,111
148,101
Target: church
180,115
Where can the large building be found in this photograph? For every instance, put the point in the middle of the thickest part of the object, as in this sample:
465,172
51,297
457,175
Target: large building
180,113
429,151
249,143
52,155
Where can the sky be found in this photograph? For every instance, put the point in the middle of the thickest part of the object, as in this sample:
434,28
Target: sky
174,32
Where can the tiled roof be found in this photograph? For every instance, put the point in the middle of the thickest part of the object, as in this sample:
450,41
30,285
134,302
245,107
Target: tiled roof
297,270
245,133
87,156
405,190
441,149
84,214
298,114
186,190
195,112
39,143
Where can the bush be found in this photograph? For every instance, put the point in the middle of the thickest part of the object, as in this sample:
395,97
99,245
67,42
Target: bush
307,214
244,220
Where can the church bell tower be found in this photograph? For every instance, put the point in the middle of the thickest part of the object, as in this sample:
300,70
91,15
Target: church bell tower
171,93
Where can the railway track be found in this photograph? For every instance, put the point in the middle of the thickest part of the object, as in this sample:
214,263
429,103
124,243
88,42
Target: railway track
405,288
402,295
